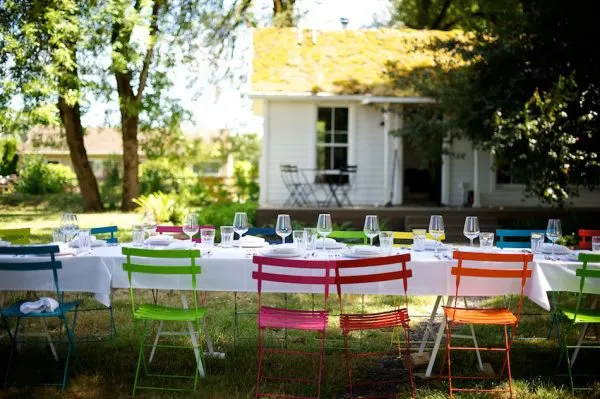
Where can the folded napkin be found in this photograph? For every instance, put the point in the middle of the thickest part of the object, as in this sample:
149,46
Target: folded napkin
252,239
558,249
160,238
329,243
44,304
365,249
181,244
431,244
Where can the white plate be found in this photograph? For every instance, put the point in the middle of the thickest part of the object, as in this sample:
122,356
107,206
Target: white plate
250,243
558,249
275,252
95,243
329,245
352,254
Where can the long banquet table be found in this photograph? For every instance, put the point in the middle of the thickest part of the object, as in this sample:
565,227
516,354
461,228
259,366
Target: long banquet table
230,269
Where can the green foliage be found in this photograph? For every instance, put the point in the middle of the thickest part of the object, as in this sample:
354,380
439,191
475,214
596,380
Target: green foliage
110,187
8,156
221,214
166,208
245,184
527,95
162,175
38,177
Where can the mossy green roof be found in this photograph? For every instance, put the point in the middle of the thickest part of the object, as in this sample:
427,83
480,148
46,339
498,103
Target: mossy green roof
344,61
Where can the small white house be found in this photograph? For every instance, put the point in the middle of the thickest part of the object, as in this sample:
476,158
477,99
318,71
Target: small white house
324,103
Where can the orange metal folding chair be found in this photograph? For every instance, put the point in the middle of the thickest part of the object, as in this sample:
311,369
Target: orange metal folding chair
362,273
498,316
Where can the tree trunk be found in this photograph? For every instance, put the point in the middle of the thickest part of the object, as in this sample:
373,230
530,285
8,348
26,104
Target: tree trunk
129,108
88,186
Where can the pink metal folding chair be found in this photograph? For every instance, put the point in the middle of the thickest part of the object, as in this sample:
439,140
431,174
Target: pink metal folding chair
363,273
291,271
179,230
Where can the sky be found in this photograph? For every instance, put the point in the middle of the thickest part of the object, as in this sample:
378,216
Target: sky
228,106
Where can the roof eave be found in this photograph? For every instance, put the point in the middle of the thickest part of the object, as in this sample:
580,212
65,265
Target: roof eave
323,96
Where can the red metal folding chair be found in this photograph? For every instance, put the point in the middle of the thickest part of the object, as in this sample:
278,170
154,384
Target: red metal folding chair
498,316
360,271
291,271
585,238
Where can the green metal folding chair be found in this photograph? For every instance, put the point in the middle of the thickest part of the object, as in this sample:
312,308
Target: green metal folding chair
142,261
580,317
45,261
16,236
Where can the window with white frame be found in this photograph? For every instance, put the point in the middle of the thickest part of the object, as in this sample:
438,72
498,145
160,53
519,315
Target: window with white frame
332,137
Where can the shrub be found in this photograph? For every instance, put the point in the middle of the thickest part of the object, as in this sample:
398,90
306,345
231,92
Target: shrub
221,214
8,156
38,177
164,206
161,175
207,190
245,176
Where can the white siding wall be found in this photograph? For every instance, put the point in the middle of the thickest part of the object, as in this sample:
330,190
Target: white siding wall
461,172
292,140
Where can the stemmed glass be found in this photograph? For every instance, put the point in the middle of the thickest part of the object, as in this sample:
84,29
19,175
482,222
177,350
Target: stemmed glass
283,228
149,222
240,225
436,229
471,229
190,225
553,232
68,225
324,227
371,228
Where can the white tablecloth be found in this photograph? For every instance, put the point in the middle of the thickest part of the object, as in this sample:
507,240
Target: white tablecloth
231,270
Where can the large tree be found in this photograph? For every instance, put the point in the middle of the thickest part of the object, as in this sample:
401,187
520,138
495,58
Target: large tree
530,95
40,45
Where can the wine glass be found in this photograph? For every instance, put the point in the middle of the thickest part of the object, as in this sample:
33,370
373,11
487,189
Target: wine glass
190,225
149,222
371,228
324,227
471,229
283,228
553,232
68,225
240,225
436,229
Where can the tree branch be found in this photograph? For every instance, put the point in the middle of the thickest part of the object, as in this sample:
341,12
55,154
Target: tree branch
150,51
441,15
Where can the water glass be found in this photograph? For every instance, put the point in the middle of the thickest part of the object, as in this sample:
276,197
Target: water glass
310,238
537,239
486,241
226,236
419,239
298,239
596,244
84,240
207,237
386,241
57,235
138,234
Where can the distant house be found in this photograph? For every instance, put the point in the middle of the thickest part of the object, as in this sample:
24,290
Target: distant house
323,96
103,144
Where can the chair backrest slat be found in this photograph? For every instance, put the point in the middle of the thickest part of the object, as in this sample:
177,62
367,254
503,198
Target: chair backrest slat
583,235
268,233
106,230
161,269
30,250
162,253
30,266
374,277
292,279
585,273
490,273
349,235
523,233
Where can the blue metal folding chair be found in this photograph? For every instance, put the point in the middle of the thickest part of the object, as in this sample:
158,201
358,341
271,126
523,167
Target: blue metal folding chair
106,230
502,233
46,261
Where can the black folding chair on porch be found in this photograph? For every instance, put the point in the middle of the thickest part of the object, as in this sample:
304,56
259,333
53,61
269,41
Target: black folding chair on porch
300,191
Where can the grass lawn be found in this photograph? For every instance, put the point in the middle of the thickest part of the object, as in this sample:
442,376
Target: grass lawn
106,367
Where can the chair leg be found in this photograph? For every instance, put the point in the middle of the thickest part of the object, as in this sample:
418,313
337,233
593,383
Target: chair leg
429,327
50,343
348,364
70,350
261,332
13,351
409,360
579,341
140,358
321,363
158,333
507,349
448,355
235,319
